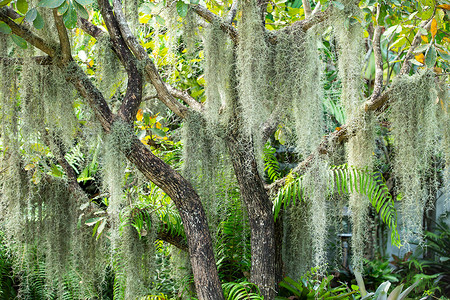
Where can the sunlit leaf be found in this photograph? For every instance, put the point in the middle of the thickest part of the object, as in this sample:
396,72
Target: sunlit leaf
433,29
182,8
63,8
70,17
50,3
4,28
19,41
38,23
444,6
420,58
31,15
4,2
430,57
84,2
139,115
22,6
81,11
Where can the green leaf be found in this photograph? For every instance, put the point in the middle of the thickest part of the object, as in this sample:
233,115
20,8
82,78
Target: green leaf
81,11
70,17
84,2
430,57
195,1
444,55
22,6
50,3
19,41
338,5
182,8
158,132
92,221
160,20
4,28
4,2
38,23
63,8
421,48
31,15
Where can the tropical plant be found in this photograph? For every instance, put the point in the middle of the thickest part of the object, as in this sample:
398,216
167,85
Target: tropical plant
382,292
438,243
347,179
313,286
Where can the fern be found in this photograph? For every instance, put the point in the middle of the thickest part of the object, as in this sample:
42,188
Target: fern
240,291
271,165
348,179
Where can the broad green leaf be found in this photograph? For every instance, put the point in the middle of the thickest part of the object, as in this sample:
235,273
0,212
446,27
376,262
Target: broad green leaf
38,23
19,41
63,8
430,57
194,1
70,17
421,48
31,15
81,11
22,6
50,3
93,221
182,8
158,132
338,5
4,28
84,2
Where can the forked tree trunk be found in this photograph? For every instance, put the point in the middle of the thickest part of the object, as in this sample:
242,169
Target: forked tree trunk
259,208
188,203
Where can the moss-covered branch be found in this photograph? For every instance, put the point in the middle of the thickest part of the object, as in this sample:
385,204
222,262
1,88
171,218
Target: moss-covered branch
20,30
66,52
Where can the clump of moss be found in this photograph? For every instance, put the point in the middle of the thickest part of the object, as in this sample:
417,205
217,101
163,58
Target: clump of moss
190,31
317,189
206,165
218,64
416,132
253,63
360,155
108,68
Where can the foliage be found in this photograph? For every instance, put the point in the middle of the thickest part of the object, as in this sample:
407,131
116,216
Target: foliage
311,286
347,179
438,243
397,294
241,290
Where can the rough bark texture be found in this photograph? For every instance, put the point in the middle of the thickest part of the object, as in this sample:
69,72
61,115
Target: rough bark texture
191,211
259,209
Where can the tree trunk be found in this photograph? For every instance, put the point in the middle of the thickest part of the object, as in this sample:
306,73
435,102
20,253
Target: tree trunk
191,211
259,208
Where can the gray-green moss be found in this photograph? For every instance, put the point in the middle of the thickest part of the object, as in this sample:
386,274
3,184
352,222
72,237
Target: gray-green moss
416,132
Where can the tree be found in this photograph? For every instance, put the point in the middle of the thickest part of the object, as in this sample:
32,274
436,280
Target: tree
268,63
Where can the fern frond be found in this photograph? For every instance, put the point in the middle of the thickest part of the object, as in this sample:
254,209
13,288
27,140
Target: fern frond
349,179
271,165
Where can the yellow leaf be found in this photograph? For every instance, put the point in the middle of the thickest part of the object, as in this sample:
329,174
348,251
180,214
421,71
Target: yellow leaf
424,38
437,70
433,27
91,63
139,115
420,58
444,6
446,39
29,167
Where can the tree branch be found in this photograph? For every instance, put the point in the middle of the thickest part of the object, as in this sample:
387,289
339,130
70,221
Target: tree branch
416,41
233,11
150,69
378,85
26,34
213,18
133,95
307,8
66,51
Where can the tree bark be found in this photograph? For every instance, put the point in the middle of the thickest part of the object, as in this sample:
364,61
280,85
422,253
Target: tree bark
259,209
191,211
